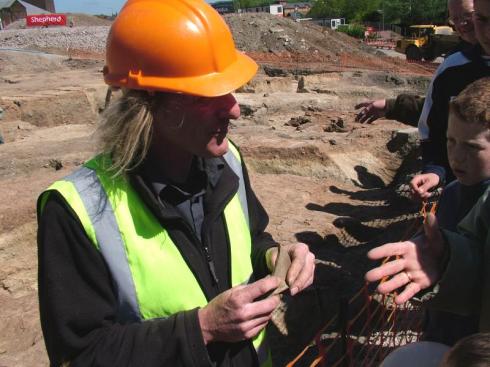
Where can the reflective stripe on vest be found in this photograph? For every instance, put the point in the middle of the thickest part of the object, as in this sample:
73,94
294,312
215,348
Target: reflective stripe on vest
232,157
147,268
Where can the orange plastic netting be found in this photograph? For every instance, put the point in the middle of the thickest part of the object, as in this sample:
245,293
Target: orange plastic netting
368,326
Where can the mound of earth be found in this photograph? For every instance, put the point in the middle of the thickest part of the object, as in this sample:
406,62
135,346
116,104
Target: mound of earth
298,48
305,47
86,20
268,33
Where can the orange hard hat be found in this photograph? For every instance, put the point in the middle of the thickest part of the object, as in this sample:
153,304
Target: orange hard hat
180,46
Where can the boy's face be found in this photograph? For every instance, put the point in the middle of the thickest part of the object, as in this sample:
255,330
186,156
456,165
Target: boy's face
468,148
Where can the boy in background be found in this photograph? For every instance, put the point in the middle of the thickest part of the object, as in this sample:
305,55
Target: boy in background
454,74
468,139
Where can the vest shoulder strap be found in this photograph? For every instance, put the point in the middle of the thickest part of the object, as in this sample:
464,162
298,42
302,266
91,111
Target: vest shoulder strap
234,160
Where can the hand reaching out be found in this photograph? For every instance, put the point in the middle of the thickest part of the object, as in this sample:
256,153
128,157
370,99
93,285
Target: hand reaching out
371,111
418,265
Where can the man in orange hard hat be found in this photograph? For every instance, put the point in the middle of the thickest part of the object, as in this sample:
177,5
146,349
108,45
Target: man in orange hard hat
154,253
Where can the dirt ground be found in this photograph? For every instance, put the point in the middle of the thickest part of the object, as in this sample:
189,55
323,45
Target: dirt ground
324,179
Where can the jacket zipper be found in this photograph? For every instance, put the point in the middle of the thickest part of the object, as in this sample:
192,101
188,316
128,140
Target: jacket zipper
207,256
211,266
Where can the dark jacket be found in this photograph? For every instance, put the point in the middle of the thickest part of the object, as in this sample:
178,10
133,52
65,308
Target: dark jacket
407,108
455,203
78,303
453,75
464,288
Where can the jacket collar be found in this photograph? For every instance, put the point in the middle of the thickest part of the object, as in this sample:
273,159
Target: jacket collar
475,53
220,178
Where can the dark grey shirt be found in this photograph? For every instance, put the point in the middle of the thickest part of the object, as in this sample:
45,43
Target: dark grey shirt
188,197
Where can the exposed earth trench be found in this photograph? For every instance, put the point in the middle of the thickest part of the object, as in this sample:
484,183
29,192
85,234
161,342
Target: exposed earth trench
323,178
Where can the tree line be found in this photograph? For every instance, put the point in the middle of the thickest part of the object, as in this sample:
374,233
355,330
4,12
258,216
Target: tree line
392,11
389,11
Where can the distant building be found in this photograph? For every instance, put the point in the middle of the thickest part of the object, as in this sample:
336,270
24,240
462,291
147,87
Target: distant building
43,4
33,10
274,9
13,10
10,11
224,7
295,10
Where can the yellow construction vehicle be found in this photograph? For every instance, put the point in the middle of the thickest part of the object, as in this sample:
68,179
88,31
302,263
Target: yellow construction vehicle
427,42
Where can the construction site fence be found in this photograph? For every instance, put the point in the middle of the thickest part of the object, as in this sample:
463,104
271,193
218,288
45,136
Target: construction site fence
380,43
381,26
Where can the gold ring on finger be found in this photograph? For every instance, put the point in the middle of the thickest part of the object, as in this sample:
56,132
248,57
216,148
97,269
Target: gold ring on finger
408,276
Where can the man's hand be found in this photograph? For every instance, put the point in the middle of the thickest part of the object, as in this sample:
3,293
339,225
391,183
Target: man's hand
302,269
234,315
421,185
371,110
418,266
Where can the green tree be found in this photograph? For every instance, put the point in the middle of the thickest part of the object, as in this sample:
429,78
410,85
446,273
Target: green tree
242,4
396,11
352,10
393,11
327,8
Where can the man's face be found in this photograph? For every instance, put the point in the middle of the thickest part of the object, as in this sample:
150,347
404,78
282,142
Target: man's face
461,15
195,125
468,148
481,19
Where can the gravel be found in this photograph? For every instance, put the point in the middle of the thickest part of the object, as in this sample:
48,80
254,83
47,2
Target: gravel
91,39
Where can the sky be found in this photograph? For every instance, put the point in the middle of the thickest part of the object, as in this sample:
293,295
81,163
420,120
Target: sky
90,6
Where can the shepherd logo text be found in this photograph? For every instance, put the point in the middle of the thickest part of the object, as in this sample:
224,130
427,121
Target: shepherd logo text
45,19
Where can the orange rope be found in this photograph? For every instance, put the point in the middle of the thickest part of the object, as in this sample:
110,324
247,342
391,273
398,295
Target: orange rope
301,354
316,361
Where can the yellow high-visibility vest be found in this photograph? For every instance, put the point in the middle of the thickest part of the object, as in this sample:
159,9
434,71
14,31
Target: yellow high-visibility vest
151,276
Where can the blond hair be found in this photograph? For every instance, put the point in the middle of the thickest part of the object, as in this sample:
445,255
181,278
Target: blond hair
473,103
125,130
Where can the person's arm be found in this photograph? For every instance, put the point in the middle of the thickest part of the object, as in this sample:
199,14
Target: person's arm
405,108
459,289
432,126
78,306
432,160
